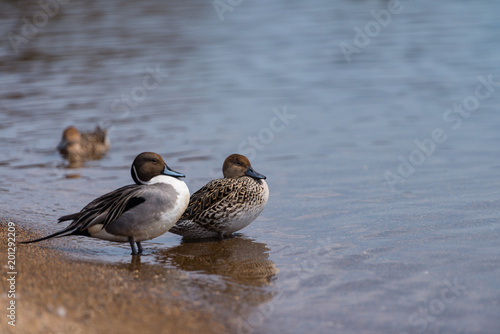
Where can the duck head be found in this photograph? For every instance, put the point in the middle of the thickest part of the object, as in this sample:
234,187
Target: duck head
70,136
147,165
237,165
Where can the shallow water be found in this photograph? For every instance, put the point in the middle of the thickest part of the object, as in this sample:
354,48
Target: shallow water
338,248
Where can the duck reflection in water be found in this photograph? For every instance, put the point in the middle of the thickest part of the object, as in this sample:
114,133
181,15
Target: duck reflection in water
233,278
238,259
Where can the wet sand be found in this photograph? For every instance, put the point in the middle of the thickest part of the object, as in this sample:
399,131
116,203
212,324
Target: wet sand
57,294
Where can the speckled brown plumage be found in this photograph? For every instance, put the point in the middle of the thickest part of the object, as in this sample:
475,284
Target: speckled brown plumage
224,206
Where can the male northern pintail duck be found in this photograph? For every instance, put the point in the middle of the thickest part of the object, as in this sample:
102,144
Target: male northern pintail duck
227,205
136,212
78,147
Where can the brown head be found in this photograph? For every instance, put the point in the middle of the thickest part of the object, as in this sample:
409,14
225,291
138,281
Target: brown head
148,165
70,136
237,165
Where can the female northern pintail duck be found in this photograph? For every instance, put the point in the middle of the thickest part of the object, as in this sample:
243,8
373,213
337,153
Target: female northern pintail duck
78,147
136,212
227,205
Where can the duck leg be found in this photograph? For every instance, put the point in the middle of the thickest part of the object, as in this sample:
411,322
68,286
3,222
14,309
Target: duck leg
139,246
132,245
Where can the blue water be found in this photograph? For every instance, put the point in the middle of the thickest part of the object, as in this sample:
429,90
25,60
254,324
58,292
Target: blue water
365,230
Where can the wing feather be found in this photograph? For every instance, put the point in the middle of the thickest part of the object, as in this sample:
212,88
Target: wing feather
208,196
109,207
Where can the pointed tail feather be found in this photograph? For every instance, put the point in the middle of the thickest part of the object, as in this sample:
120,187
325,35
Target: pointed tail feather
72,216
63,233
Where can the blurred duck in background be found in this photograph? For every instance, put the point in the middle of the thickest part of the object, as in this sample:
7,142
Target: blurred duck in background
79,147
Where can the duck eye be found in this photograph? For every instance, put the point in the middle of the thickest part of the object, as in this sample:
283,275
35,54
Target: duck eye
155,161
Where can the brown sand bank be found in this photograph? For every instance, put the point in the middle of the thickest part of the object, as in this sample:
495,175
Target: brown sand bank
57,294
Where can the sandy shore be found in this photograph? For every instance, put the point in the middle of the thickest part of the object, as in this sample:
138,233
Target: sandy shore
57,294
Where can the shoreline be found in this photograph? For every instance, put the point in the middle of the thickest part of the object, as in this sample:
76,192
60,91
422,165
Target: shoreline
55,293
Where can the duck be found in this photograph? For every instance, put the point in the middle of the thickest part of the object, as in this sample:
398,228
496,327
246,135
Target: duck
224,206
136,212
78,147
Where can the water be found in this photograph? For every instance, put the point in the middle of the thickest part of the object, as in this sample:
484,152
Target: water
340,248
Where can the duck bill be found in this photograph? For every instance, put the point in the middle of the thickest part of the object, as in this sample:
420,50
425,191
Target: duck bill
62,144
250,172
171,172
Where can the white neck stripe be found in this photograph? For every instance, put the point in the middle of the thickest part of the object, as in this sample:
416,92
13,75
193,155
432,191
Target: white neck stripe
137,176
